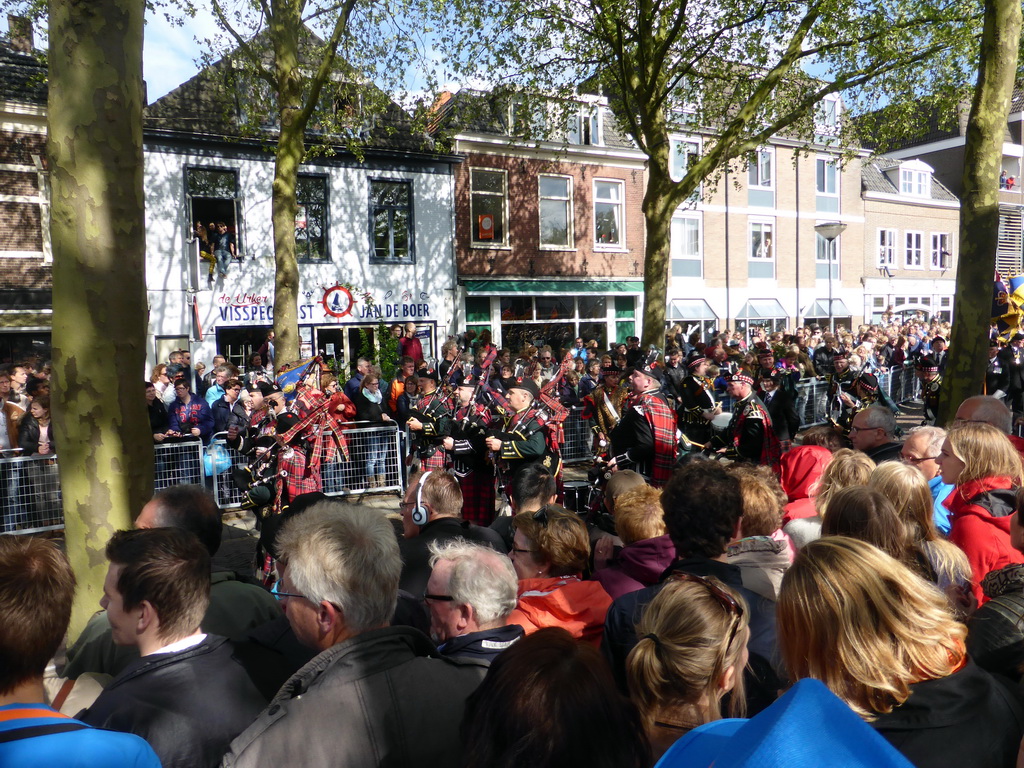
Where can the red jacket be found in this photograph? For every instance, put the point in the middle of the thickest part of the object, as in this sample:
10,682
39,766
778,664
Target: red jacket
982,510
562,601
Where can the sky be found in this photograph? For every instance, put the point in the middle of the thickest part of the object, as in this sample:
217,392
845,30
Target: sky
169,53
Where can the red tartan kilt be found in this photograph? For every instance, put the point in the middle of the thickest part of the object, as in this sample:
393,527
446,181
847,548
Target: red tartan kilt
478,497
436,461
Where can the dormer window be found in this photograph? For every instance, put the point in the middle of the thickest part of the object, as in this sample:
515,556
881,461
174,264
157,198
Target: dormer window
915,179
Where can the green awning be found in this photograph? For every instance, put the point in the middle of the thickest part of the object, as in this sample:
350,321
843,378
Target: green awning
520,287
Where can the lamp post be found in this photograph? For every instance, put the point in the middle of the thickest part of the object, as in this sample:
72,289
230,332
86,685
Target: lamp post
830,230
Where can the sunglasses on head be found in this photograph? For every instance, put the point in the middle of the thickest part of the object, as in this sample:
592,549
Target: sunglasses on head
723,596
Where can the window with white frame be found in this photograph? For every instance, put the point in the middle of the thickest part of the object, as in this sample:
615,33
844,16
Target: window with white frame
682,154
915,182
585,125
941,254
391,222
826,117
826,184
609,214
488,206
687,260
759,172
826,257
555,211
913,251
761,250
886,248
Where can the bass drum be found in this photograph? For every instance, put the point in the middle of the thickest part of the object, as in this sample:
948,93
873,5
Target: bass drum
720,423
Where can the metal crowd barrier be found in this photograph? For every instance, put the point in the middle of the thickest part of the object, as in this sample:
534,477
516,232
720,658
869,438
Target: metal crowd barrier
30,499
339,477
177,463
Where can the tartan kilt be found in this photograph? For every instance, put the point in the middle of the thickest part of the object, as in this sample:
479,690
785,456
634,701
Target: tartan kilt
436,460
478,496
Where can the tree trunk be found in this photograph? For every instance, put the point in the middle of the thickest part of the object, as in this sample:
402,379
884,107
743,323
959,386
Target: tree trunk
99,294
285,26
658,209
979,204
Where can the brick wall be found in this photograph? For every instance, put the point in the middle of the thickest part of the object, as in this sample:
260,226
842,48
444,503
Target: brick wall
20,228
524,227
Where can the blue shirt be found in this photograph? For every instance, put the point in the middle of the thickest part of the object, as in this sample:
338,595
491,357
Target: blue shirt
940,491
86,747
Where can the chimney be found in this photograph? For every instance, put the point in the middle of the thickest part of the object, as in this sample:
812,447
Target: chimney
19,32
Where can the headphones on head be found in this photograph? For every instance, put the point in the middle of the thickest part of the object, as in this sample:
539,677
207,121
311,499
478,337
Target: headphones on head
420,514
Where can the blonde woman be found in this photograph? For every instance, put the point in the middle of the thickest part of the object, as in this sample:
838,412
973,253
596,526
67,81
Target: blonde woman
692,651
911,497
986,469
848,467
885,641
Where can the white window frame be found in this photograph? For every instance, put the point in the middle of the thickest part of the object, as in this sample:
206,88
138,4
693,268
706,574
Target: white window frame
690,146
915,179
620,207
941,242
676,243
887,247
827,162
763,254
827,114
913,253
760,161
504,242
833,256
570,245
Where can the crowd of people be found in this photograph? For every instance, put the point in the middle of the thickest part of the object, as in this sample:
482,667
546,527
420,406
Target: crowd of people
845,594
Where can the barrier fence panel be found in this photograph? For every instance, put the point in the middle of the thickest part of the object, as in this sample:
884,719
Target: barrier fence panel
374,452
377,448
177,464
30,490
579,439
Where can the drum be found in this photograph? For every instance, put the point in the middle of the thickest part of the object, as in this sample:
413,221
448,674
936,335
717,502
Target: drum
577,495
720,423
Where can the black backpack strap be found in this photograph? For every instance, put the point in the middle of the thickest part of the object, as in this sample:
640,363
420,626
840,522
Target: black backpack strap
30,732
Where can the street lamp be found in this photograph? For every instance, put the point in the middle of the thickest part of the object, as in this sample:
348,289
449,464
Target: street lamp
830,230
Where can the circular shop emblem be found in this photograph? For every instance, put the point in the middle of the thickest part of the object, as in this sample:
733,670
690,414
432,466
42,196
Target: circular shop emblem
337,301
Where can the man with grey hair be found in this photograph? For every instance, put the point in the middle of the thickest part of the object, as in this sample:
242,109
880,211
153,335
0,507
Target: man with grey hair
471,593
873,431
921,450
363,367
375,694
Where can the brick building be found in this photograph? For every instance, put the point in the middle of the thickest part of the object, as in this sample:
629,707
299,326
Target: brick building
25,257
549,234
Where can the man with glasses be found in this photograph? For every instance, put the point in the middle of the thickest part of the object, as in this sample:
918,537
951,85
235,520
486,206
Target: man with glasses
920,450
986,409
470,595
548,366
189,417
873,432
375,694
